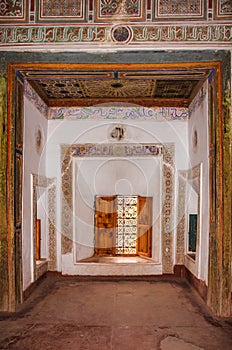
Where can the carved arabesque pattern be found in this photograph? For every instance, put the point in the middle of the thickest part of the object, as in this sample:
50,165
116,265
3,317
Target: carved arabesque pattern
83,150
50,185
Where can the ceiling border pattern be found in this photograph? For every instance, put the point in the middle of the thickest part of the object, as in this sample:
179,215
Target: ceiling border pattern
103,34
197,101
34,98
105,113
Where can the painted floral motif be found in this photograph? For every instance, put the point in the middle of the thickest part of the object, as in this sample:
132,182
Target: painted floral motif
120,7
122,150
11,8
225,7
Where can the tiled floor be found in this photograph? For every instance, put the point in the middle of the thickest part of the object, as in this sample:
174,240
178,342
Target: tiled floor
70,313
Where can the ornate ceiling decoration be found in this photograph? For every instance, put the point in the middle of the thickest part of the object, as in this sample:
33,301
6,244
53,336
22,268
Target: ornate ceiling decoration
138,87
89,11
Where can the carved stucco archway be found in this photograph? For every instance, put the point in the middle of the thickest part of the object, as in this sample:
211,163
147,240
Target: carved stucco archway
166,151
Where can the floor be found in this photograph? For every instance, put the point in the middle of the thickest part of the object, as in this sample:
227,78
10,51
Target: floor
118,260
101,314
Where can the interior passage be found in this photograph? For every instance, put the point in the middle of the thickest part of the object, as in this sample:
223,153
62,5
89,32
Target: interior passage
114,314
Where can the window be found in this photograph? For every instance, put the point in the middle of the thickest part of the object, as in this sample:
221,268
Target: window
123,225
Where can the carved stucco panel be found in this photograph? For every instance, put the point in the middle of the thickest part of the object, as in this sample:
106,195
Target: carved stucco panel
167,151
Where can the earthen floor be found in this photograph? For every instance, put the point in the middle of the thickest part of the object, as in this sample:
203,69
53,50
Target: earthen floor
101,314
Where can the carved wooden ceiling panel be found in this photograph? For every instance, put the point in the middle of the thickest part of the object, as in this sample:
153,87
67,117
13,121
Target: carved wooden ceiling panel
90,87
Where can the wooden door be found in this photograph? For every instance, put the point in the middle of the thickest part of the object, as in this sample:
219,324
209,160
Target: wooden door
105,225
144,226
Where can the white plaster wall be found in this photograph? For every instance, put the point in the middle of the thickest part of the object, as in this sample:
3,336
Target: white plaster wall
97,131
115,176
199,155
34,163
42,215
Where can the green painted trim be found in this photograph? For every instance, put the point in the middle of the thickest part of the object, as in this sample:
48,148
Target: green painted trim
4,282
227,202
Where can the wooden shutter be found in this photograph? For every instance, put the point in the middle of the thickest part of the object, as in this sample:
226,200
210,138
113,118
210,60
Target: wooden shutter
144,226
105,225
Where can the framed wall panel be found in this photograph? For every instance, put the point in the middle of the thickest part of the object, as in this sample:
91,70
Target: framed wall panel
13,11
179,10
60,11
223,9
119,10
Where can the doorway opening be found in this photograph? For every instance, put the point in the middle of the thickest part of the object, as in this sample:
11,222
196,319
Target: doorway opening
123,226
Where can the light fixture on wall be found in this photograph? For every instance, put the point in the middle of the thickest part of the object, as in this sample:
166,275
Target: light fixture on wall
117,132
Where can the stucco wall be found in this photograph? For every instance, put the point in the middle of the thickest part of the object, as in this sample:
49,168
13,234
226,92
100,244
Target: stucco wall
198,154
34,163
97,131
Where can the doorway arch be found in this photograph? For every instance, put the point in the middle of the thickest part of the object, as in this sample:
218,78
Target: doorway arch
219,290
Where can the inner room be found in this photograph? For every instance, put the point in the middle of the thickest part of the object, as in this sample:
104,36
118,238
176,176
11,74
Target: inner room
146,141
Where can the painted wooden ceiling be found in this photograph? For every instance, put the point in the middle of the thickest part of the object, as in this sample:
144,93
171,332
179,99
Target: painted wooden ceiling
161,87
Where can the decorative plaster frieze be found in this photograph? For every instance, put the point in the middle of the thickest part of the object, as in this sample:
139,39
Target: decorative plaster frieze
181,217
116,150
197,101
66,200
35,99
109,113
181,234
140,113
105,34
121,10
50,185
168,195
